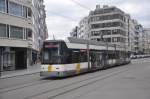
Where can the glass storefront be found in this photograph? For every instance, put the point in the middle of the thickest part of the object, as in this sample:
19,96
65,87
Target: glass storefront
1,59
13,58
9,61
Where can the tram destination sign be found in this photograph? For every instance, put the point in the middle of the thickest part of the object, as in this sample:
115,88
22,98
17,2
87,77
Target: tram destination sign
51,45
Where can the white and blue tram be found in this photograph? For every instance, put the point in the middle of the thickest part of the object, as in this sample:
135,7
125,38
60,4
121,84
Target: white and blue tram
74,56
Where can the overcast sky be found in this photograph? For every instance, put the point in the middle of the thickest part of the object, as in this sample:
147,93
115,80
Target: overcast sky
64,15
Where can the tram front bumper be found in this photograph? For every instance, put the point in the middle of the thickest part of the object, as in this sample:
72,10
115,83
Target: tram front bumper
52,74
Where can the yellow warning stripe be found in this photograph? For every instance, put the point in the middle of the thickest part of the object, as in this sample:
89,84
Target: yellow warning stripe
49,68
78,68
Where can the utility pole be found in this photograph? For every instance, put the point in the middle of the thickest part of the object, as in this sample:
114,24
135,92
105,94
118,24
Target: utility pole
88,54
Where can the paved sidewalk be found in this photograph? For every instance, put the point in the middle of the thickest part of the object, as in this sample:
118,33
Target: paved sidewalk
31,70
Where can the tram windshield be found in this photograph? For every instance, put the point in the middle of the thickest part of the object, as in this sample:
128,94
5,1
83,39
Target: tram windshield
51,53
59,53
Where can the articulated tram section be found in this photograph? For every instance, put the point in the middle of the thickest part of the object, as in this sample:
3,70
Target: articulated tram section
74,56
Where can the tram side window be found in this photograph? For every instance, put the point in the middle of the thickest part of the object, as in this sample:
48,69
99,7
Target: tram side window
117,56
111,56
65,54
75,57
83,56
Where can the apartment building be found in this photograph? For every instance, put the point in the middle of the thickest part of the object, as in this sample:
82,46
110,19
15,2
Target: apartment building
112,25
39,22
136,37
131,34
146,40
21,32
83,29
75,31
108,24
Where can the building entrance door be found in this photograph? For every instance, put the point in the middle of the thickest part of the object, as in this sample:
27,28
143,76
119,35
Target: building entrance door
21,59
9,61
1,59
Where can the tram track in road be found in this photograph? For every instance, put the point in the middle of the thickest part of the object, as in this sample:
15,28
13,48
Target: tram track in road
19,80
52,93
50,87
23,85
15,85
89,83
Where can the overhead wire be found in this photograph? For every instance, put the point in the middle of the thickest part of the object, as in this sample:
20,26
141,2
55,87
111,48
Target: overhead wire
69,18
81,5
63,16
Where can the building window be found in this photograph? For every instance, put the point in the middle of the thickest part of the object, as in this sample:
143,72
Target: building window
3,30
7,31
107,17
29,13
95,33
24,12
16,32
107,39
15,9
7,6
110,24
116,31
2,6
24,34
115,39
106,32
29,33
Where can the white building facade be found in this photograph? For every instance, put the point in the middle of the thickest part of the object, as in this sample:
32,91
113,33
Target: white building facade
106,24
112,25
136,37
83,30
75,31
20,33
146,35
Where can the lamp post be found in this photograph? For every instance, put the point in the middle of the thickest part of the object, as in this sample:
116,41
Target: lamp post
88,54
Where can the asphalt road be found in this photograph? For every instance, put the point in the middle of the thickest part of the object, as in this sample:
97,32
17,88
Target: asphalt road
125,82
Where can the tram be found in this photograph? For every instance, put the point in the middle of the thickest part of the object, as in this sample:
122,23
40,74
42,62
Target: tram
61,58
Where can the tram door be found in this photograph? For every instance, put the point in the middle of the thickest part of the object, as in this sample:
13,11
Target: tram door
96,60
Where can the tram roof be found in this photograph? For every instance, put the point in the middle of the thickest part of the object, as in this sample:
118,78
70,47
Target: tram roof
83,41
